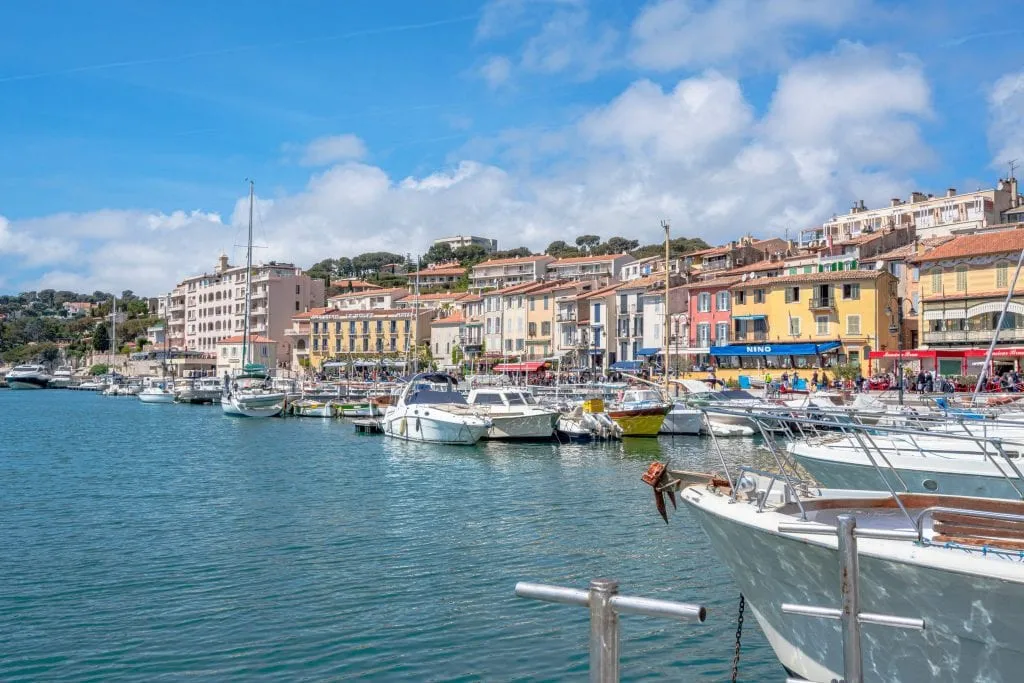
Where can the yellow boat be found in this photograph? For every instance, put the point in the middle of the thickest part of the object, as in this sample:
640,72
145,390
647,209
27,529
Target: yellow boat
640,421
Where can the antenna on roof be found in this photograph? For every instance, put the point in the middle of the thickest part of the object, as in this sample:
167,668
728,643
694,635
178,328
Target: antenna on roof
1013,166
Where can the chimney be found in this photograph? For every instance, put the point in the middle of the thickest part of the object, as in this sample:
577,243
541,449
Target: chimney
951,192
222,263
916,197
895,201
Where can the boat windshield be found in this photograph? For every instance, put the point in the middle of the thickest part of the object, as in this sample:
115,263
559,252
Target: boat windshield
522,399
487,399
431,396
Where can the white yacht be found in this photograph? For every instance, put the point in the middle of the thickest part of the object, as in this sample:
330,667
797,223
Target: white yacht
249,395
28,377
429,409
682,419
61,377
514,413
157,392
950,564
201,390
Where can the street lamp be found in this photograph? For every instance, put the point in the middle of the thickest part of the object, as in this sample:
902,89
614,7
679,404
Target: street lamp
897,329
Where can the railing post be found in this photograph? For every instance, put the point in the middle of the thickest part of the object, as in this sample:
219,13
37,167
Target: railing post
604,632
849,571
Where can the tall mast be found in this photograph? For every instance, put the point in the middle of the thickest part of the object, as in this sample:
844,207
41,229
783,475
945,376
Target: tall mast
665,225
986,368
248,281
113,331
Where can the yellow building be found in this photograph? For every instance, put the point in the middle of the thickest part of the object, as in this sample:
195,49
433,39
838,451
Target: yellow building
810,320
368,334
540,317
963,285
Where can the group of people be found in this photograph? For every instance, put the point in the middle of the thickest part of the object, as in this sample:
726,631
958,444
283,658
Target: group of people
788,382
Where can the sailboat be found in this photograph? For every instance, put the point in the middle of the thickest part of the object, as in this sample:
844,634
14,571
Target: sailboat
161,391
248,393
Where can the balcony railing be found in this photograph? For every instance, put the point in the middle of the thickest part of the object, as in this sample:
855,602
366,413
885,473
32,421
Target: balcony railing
751,336
964,336
822,302
565,317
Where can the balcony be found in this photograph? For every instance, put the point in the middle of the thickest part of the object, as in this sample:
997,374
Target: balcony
821,303
969,336
566,317
751,336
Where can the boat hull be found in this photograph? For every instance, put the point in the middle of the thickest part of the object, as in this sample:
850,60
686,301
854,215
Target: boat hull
973,630
252,407
156,398
315,410
639,422
430,430
683,422
522,427
27,383
845,475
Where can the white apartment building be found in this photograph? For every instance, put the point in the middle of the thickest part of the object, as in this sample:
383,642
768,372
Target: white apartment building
601,327
445,337
369,300
648,266
259,350
931,216
601,269
505,272
467,240
205,309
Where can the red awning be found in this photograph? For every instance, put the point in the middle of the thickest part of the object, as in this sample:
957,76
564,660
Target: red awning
919,353
1004,352
529,366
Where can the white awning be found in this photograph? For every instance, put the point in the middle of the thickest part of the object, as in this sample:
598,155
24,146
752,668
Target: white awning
994,307
933,315
955,314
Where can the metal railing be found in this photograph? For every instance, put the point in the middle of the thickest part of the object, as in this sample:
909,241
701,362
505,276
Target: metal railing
823,302
605,606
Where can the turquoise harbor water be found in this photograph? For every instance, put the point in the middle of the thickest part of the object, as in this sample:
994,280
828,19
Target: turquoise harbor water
166,541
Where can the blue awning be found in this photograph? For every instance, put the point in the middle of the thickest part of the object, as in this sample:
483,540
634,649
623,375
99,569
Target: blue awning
628,365
649,351
768,349
750,317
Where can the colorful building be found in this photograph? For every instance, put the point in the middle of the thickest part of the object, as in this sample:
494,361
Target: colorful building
366,334
509,271
709,318
809,320
963,287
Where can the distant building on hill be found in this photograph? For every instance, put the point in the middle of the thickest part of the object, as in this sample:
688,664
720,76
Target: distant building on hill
457,241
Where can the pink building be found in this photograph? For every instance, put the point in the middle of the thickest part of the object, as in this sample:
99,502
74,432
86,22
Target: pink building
710,317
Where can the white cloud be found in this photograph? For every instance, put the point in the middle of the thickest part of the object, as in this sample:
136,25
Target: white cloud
568,42
669,34
333,148
1006,113
501,17
839,127
496,71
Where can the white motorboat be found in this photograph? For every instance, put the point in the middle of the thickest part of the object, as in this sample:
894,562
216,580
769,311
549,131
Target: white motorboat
682,419
28,377
514,413
157,392
199,390
951,562
91,385
61,377
312,408
430,410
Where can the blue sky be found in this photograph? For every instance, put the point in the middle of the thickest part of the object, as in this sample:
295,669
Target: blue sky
127,129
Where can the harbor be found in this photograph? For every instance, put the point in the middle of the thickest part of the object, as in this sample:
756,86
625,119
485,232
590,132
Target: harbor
174,540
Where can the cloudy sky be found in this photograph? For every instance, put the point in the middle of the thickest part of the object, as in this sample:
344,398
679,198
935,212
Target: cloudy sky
128,129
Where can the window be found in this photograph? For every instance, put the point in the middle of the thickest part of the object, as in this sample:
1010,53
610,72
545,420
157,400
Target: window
316,327
851,291
936,274
545,329
532,330
297,307
533,303
316,343
337,327
758,296
723,301
721,333
351,344
545,302
351,326
597,313
792,294
961,278
854,357
794,327
821,323
853,324
298,290
704,334
740,297
1002,273
337,344
704,302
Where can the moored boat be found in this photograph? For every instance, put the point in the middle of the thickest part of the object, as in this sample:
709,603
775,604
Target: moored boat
514,414
641,412
61,377
430,410
28,377
157,392
313,408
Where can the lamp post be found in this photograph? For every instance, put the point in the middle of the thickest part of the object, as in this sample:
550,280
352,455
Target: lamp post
897,329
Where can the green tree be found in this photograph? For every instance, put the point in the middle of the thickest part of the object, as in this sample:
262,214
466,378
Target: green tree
470,255
619,245
101,337
559,249
587,242
99,369
440,252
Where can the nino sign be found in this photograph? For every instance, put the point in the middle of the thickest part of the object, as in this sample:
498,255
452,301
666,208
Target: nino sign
759,349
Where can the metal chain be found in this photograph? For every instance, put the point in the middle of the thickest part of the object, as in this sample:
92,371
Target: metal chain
739,637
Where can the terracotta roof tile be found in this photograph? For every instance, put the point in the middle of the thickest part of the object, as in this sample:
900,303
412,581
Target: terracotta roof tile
977,244
599,258
310,313
507,261
452,319
827,276
253,339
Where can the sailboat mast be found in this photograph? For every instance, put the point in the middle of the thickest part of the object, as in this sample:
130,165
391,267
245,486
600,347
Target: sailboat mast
248,282
667,318
113,331
986,368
